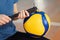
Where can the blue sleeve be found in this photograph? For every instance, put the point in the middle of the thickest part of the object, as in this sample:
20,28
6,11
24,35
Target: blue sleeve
15,1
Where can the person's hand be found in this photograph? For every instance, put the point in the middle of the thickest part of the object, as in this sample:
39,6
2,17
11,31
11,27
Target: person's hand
4,19
23,14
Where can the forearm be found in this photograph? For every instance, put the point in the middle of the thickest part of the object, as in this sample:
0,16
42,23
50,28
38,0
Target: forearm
15,10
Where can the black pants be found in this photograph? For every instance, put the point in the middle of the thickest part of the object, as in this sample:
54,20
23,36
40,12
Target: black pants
24,36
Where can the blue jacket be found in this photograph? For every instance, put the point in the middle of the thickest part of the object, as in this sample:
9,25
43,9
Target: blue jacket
6,7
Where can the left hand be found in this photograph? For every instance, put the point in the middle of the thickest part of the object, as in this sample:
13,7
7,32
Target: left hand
23,14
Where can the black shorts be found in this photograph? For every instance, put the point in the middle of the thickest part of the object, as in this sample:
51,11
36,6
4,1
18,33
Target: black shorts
24,36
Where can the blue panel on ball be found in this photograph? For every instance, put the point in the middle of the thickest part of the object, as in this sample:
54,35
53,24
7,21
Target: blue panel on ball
44,20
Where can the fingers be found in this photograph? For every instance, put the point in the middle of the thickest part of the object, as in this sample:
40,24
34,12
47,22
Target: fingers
1,23
7,18
27,14
20,15
23,14
4,19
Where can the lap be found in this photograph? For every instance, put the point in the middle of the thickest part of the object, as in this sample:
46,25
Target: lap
24,36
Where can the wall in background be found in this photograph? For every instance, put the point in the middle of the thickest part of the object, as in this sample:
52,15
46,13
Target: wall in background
52,8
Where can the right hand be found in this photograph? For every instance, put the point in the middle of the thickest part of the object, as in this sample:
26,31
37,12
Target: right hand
4,19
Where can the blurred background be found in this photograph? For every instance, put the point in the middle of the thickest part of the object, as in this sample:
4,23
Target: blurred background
52,8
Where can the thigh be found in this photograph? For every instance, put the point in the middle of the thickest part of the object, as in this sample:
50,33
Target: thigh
24,36
17,36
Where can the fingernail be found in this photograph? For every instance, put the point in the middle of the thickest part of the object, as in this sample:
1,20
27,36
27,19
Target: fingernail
28,15
10,19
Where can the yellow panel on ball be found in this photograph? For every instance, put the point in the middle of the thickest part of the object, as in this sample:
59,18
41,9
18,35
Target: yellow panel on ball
34,25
